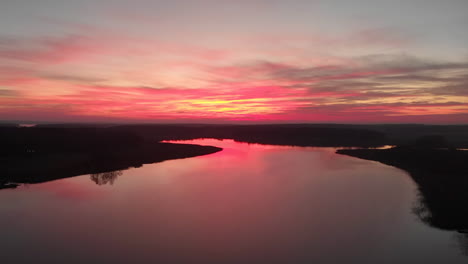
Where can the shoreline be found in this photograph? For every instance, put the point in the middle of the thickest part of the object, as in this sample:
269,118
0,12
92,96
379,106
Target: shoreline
38,168
441,177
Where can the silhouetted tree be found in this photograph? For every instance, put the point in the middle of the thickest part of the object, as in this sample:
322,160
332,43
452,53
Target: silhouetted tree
105,177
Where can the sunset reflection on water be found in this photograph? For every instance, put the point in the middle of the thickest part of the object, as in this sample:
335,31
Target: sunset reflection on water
249,203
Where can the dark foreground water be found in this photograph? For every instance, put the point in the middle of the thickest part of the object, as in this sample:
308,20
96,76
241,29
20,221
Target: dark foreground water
245,204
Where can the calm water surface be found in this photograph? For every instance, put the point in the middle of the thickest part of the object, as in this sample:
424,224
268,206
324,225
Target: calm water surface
245,204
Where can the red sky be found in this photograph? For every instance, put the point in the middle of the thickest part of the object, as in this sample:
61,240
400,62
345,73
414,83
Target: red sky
233,61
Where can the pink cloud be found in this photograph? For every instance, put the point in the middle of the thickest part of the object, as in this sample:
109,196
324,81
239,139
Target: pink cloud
148,79
50,49
267,103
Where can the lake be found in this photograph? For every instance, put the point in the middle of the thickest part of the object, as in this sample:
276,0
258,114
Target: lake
249,203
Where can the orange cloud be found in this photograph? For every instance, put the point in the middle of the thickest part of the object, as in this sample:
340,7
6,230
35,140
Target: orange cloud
103,76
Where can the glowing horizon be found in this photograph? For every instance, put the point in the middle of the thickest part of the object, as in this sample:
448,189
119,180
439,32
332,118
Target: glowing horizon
234,61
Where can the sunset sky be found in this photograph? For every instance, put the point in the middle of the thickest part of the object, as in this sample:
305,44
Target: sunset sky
234,61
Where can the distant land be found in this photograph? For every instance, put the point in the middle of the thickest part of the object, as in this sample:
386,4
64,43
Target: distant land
293,134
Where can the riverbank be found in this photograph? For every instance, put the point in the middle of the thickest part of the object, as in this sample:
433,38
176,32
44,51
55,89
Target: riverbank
42,167
442,178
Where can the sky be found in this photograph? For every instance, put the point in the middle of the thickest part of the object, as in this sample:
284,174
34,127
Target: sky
234,61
